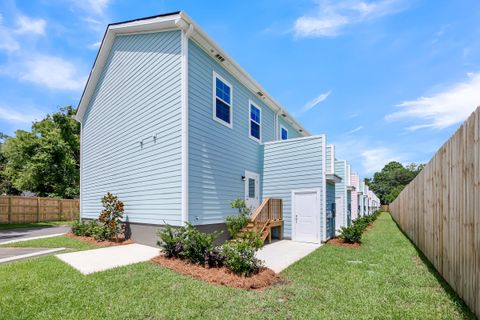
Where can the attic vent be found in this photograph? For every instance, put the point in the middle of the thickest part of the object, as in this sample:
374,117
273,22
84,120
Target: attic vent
219,57
300,130
284,115
260,93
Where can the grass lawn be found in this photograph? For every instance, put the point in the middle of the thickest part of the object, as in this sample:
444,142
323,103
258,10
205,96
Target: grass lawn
35,224
385,278
53,242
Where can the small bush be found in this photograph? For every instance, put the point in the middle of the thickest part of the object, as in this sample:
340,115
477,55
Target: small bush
197,244
237,222
351,234
78,228
214,258
171,241
111,215
253,238
240,257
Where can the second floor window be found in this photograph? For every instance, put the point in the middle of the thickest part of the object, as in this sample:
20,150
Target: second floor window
255,121
284,134
222,107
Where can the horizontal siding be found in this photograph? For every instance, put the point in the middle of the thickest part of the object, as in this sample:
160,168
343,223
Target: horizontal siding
291,165
137,97
341,191
218,155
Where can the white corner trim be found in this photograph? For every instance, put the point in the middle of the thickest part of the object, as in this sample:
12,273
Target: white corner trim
214,97
323,210
81,173
184,45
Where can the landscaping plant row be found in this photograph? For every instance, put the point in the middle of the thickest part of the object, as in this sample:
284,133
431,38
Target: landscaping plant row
353,233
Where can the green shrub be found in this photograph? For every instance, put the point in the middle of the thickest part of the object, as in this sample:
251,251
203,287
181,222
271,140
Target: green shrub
101,232
196,244
78,228
235,223
351,234
240,257
189,243
170,241
253,238
111,214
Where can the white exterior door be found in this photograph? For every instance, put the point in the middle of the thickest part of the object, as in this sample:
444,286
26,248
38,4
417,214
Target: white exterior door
306,215
252,190
340,213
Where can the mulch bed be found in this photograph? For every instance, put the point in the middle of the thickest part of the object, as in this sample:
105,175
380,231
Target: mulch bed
120,242
339,242
221,276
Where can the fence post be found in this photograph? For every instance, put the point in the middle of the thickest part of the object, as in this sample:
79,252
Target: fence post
38,209
60,209
9,210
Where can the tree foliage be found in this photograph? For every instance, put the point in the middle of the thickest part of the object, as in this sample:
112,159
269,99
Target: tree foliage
45,160
390,181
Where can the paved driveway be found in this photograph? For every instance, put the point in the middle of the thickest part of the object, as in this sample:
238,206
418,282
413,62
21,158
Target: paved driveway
23,233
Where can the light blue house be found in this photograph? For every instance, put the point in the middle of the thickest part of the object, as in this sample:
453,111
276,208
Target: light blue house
177,129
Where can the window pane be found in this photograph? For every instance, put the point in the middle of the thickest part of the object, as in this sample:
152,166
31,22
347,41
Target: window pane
251,188
222,111
254,130
222,90
254,114
284,134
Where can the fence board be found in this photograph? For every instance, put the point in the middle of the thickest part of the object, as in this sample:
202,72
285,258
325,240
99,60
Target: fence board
440,211
15,209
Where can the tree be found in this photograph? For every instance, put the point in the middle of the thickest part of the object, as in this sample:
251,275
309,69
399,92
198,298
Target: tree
46,161
6,185
390,181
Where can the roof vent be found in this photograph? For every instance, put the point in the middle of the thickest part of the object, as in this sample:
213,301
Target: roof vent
219,57
284,115
300,130
260,93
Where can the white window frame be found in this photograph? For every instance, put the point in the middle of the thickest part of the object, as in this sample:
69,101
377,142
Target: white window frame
283,128
214,102
250,103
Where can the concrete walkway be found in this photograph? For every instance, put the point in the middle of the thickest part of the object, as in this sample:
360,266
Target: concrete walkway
90,261
12,254
281,254
14,235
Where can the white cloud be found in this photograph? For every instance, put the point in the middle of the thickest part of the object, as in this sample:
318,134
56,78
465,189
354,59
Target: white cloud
95,46
355,130
442,109
30,25
322,97
374,159
48,71
96,7
10,115
330,17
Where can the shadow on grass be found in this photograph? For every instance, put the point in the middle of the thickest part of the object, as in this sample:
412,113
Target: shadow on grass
461,305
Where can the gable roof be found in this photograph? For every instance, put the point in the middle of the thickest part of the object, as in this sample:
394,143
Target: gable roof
181,21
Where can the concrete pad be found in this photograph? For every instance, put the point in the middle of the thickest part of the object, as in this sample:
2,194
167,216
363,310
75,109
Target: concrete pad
281,254
13,254
90,261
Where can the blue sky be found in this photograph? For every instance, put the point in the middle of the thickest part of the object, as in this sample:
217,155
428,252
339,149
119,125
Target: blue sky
386,80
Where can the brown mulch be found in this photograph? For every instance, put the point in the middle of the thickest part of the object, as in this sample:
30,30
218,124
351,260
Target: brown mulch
339,242
221,276
120,242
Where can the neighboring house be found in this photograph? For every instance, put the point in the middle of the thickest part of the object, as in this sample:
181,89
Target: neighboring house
354,178
177,129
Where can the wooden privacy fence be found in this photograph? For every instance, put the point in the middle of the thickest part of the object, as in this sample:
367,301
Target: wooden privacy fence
15,209
440,211
384,208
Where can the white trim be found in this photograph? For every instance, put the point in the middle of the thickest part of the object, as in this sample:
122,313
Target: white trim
283,128
184,213
317,209
250,104
275,124
332,155
324,181
214,98
81,173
